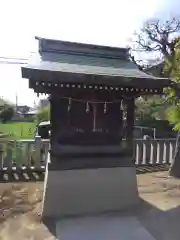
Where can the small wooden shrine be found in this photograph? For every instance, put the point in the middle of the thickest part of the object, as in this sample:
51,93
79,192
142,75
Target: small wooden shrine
92,91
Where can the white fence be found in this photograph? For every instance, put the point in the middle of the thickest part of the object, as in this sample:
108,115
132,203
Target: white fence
32,153
156,151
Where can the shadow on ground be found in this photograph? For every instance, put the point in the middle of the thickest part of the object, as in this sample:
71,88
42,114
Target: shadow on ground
162,225
158,210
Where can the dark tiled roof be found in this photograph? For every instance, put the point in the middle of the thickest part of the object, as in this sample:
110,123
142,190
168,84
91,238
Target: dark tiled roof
56,46
86,65
83,59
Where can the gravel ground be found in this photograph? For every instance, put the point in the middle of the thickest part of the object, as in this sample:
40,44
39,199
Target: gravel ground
159,210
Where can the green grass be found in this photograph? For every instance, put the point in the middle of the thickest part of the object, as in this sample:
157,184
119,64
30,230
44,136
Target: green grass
19,130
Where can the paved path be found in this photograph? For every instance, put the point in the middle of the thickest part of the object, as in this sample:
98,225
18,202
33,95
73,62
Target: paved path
107,227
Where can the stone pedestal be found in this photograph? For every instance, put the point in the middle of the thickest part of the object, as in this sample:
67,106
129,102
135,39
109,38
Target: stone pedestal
89,191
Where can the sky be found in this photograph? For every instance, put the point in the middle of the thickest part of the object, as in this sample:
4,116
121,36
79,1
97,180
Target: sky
104,22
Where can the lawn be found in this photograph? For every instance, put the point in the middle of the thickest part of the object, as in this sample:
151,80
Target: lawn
19,130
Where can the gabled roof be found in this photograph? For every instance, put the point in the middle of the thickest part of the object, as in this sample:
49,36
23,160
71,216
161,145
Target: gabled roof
60,61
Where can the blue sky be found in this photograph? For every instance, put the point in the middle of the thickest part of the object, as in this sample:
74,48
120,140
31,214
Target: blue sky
110,22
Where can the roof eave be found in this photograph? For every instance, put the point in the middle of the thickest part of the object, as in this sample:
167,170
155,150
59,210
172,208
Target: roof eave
83,78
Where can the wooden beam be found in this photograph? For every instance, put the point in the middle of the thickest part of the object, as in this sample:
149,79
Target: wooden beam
130,124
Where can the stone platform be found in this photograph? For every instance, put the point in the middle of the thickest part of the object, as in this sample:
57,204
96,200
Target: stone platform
108,227
89,191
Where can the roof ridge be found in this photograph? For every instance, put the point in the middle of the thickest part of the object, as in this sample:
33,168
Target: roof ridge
60,47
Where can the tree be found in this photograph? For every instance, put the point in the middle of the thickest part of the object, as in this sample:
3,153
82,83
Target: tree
152,108
163,37
173,112
6,113
158,37
43,114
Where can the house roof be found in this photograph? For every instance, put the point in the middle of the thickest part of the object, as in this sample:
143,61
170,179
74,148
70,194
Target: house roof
60,61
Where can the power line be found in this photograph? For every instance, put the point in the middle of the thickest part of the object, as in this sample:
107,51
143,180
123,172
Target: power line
10,62
17,57
14,60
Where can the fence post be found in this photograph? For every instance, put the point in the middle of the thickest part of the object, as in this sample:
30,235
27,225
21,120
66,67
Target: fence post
166,151
139,153
2,153
154,151
46,155
37,152
160,151
146,150
7,162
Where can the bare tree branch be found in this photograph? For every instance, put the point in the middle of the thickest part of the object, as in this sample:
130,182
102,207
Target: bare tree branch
163,37
136,62
158,36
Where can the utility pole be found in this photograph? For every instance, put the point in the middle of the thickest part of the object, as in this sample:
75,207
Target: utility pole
16,101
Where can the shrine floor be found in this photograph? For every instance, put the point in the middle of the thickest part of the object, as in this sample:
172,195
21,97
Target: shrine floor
156,218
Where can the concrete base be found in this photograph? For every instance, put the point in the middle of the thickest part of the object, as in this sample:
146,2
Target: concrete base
89,191
106,227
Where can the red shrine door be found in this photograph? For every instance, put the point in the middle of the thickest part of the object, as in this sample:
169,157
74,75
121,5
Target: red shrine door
109,123
88,123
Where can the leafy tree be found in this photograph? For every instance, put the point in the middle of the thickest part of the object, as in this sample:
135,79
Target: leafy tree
163,37
160,37
6,113
173,113
152,108
43,114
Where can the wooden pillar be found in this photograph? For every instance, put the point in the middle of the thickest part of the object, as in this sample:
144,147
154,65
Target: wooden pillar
59,117
53,111
130,124
51,100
